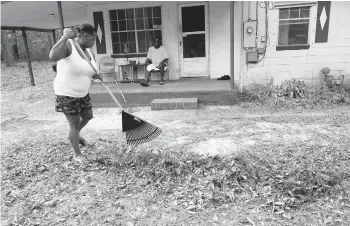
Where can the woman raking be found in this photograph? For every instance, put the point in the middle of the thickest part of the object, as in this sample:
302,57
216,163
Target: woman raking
73,81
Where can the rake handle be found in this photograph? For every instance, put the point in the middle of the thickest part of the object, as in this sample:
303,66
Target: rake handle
111,94
104,84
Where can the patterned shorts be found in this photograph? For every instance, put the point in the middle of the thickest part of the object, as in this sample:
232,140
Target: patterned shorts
72,105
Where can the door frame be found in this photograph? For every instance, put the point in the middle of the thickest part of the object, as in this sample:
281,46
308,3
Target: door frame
180,41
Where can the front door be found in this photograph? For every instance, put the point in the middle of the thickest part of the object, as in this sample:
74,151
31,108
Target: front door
193,39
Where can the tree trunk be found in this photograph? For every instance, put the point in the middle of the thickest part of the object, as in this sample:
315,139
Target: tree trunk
7,50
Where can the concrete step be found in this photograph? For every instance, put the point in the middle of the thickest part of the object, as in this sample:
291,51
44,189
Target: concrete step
175,103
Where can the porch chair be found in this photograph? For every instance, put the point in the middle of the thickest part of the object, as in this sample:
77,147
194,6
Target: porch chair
107,68
166,71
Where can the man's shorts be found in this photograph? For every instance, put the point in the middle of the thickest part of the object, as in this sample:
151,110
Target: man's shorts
73,105
152,67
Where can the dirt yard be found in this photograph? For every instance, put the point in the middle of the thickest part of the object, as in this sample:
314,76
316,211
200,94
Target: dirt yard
41,185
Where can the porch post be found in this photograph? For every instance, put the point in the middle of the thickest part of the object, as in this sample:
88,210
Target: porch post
60,15
30,70
232,51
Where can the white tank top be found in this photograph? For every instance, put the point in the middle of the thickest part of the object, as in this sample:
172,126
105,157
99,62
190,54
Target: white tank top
74,75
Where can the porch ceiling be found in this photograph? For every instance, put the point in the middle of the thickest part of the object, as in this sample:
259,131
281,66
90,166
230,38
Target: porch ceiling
39,14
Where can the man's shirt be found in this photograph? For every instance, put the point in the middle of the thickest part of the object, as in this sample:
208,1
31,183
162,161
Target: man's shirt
157,55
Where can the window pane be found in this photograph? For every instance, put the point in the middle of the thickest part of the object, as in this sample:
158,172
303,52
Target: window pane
121,14
132,47
122,25
294,13
148,23
158,34
147,12
131,37
123,37
115,37
114,26
130,25
141,36
142,47
191,22
130,13
284,13
157,11
140,25
113,14
157,22
293,34
139,13
298,34
149,36
116,48
194,46
304,13
124,48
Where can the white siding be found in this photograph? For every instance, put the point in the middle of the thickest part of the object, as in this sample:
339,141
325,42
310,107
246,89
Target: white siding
303,64
219,41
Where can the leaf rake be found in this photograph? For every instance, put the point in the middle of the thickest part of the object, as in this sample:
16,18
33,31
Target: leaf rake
137,130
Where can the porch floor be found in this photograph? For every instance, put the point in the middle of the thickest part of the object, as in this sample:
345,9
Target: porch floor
206,90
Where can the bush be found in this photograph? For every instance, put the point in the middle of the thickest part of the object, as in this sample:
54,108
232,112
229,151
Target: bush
294,93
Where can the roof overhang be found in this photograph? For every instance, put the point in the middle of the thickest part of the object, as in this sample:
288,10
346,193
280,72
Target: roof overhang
42,16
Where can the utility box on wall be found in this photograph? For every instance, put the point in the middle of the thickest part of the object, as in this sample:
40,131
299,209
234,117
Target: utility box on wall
249,32
252,57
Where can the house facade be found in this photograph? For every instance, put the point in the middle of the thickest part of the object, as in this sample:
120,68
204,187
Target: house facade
282,40
195,34
286,40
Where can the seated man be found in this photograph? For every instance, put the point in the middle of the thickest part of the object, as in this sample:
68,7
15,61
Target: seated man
156,61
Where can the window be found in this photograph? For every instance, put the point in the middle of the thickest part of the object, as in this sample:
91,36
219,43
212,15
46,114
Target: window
133,30
293,26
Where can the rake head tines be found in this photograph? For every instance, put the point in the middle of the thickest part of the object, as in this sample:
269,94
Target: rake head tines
137,130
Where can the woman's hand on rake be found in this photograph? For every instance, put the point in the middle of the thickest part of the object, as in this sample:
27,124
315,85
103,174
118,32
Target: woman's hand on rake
98,76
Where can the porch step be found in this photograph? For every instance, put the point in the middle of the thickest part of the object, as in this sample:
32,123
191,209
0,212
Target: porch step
174,103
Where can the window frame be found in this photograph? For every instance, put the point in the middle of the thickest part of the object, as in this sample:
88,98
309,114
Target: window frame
137,53
296,46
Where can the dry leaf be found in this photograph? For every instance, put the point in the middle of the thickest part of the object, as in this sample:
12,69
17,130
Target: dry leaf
250,221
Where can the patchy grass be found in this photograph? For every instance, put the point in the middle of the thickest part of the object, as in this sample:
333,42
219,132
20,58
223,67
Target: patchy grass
281,173
213,166
14,78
